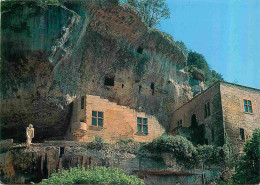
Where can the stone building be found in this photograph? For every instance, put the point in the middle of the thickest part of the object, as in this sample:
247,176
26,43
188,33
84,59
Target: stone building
93,116
225,110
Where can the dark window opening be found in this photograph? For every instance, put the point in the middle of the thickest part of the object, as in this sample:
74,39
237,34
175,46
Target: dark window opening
180,123
152,87
140,88
248,106
212,134
194,122
242,134
109,81
62,151
207,110
82,120
122,86
140,50
82,102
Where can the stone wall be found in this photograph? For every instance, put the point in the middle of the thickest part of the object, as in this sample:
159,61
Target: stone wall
119,122
195,107
234,113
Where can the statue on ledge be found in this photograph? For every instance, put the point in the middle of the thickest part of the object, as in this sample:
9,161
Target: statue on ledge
29,135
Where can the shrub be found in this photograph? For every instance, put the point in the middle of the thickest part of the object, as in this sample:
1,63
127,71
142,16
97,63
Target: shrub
247,171
93,175
181,148
208,154
97,143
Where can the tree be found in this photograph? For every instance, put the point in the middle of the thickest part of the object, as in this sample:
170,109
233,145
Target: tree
248,168
152,11
92,175
197,60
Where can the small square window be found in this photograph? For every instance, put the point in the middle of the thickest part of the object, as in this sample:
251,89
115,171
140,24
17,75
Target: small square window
142,125
97,118
248,106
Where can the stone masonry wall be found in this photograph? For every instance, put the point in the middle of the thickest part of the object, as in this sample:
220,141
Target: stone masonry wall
213,124
234,113
120,122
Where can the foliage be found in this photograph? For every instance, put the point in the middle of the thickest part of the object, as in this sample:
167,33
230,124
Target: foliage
198,61
230,154
152,11
247,171
183,47
97,143
209,154
181,148
93,175
10,6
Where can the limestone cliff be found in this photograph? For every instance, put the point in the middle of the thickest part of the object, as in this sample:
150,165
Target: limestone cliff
53,52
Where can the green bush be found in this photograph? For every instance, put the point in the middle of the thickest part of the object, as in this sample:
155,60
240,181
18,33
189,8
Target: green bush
93,175
97,143
247,171
181,148
209,154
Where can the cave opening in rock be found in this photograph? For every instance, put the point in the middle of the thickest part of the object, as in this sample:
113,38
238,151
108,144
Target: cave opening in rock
109,81
152,88
122,86
140,50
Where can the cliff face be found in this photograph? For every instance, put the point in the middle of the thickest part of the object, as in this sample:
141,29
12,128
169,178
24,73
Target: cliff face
52,53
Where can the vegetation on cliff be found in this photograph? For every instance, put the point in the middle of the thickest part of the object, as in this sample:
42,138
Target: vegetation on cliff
92,175
152,11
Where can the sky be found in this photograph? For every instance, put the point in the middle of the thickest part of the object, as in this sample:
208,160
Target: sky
226,32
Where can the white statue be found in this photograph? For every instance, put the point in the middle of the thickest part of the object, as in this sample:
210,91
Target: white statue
29,135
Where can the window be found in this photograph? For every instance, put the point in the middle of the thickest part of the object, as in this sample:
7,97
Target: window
248,106
242,134
97,118
140,50
180,123
140,88
142,125
206,110
82,102
152,87
109,81
212,134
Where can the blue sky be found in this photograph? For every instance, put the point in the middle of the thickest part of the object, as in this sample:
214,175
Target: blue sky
226,32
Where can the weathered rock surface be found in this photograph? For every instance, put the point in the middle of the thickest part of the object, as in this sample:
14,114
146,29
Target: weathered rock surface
53,53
